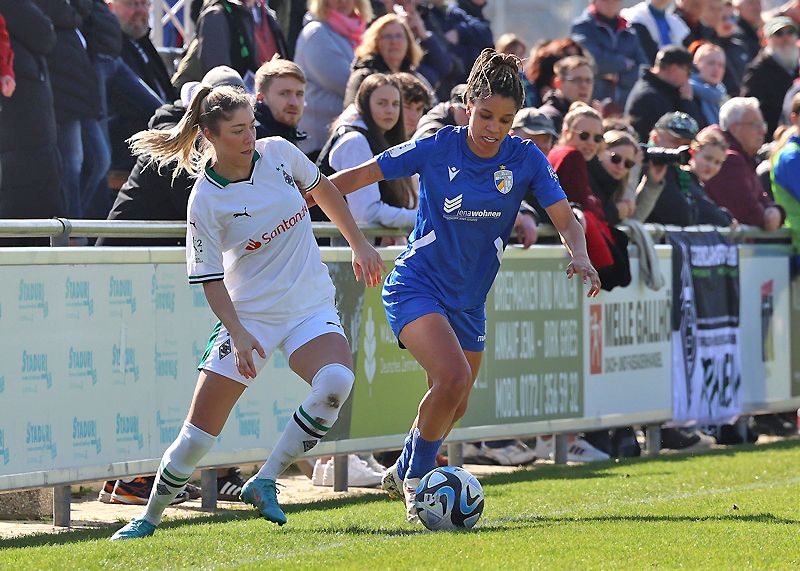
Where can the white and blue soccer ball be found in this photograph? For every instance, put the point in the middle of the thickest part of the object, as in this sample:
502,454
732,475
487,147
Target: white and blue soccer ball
449,498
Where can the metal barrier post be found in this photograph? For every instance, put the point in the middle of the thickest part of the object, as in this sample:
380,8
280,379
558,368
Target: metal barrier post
653,442
62,496
340,473
455,454
560,449
208,485
741,427
63,238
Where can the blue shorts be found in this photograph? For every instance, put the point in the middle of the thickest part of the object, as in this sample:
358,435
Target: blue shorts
404,304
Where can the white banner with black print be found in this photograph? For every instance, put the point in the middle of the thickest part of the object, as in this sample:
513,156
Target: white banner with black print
706,372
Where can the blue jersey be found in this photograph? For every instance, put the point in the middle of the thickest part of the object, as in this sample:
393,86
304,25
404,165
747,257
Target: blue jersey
467,209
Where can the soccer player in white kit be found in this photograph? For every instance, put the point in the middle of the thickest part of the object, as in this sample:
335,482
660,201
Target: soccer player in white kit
251,245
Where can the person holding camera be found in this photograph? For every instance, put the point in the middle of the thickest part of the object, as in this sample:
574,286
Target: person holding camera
662,89
737,187
688,159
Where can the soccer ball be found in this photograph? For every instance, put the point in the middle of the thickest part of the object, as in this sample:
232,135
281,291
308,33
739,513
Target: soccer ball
449,498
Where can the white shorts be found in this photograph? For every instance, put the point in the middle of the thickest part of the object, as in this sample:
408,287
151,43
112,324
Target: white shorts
287,335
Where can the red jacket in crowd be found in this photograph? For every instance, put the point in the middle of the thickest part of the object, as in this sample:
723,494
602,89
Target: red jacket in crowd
737,186
6,55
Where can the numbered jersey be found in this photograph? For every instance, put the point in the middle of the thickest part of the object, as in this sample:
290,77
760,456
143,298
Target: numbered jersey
256,235
467,209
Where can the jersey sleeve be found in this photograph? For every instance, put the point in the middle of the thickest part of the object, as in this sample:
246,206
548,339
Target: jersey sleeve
544,182
306,175
203,244
405,159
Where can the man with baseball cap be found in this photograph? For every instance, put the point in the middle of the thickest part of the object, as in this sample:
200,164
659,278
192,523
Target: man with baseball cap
770,75
532,124
662,89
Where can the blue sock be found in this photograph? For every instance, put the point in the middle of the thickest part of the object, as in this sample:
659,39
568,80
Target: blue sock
423,456
405,456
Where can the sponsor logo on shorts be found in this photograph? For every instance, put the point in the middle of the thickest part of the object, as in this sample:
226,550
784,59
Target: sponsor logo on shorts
225,349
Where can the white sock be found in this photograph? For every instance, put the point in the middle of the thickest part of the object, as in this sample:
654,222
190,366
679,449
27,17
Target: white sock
177,465
312,420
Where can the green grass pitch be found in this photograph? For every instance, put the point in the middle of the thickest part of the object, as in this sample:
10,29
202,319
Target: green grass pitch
727,509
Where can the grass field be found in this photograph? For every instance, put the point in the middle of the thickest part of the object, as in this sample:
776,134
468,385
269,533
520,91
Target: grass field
727,509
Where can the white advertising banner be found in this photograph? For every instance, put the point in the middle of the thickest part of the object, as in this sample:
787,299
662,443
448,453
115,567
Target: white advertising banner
627,349
765,328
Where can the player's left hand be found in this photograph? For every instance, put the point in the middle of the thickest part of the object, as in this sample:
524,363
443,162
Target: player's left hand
368,265
583,267
527,231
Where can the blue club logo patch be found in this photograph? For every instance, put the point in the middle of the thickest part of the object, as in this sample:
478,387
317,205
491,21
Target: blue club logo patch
503,180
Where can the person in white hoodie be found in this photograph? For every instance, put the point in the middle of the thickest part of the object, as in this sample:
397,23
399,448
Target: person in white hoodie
655,26
365,129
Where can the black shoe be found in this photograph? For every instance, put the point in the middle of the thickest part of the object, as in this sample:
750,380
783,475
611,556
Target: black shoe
229,485
624,443
773,425
194,491
684,439
600,439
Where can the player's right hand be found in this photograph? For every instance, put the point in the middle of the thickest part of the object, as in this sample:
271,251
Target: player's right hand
244,344
368,265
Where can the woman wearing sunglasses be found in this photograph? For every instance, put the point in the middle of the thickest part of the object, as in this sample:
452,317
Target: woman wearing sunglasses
609,172
581,139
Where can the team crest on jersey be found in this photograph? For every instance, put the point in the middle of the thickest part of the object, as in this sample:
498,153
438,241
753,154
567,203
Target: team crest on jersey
287,178
503,180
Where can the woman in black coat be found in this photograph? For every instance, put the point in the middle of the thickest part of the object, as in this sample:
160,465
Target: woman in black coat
31,185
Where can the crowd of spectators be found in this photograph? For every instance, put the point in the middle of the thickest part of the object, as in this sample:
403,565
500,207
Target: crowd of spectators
716,81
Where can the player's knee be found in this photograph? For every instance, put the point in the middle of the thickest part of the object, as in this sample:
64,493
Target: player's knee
331,386
461,409
453,383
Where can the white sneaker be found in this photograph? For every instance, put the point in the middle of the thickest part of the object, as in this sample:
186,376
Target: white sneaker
373,464
582,451
514,454
470,452
392,483
359,475
543,448
319,472
410,493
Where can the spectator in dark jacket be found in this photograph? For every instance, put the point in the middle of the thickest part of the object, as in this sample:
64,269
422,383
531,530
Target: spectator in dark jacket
451,112
76,95
608,175
737,186
141,57
280,97
465,36
539,69
153,194
388,47
655,27
573,81
7,81
736,51
691,12
771,74
31,182
614,46
662,89
749,22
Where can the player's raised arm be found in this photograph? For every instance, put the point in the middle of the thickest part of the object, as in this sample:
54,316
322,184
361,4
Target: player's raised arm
350,180
572,234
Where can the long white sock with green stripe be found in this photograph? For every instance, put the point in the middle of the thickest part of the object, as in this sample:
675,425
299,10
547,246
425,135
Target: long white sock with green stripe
177,465
312,420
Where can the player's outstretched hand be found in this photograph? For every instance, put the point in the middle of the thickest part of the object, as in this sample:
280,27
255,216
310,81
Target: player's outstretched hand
368,265
583,267
244,344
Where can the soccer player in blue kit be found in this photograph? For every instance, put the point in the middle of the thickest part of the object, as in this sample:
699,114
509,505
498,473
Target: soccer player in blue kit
472,182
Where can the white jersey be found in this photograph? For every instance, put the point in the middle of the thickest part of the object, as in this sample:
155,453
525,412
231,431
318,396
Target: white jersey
256,235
